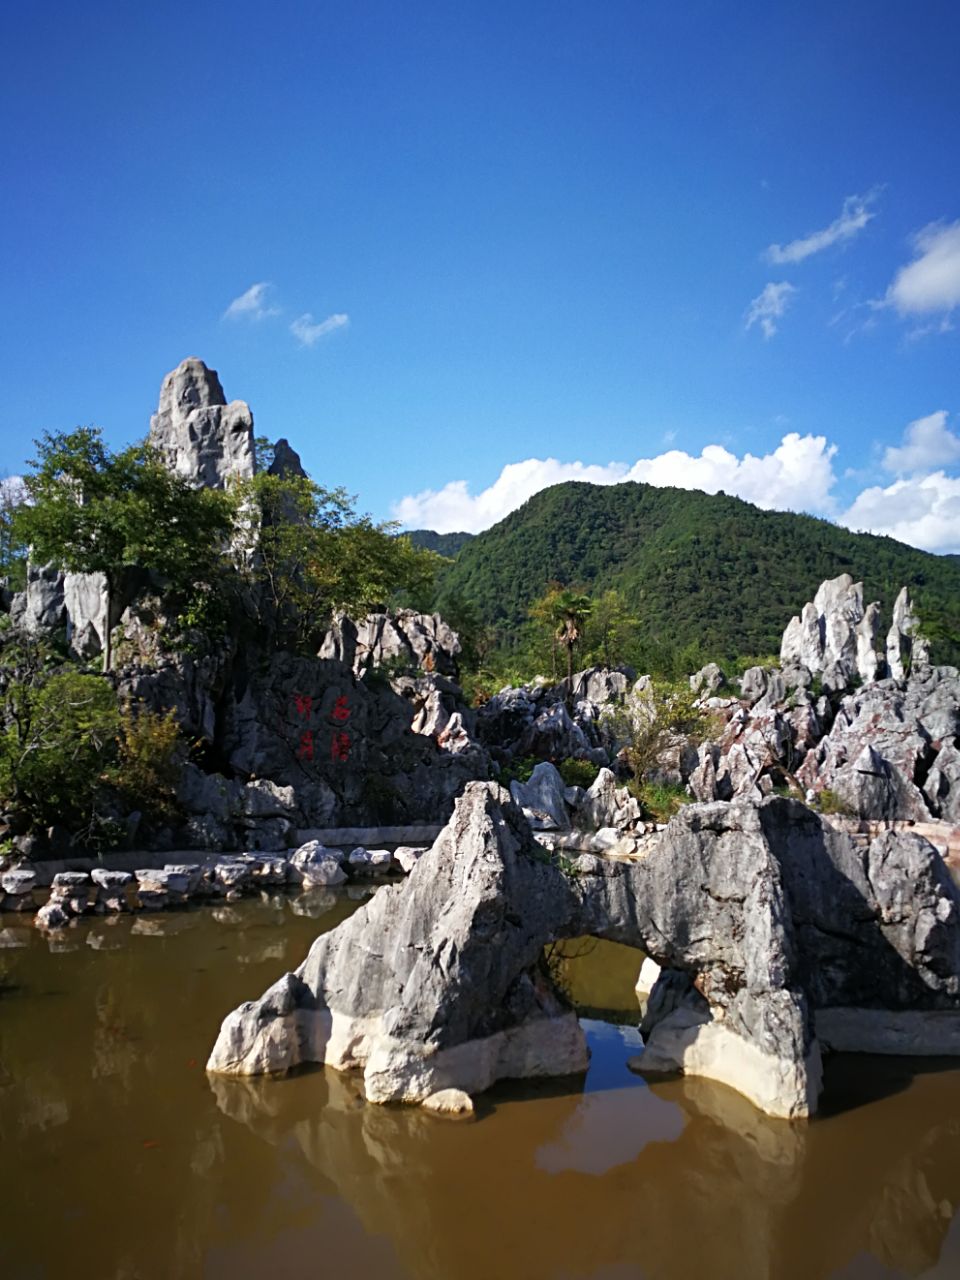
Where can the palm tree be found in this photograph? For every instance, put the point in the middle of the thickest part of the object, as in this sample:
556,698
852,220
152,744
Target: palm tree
570,611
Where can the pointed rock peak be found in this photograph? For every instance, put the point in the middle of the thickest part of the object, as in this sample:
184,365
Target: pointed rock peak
191,385
286,461
199,435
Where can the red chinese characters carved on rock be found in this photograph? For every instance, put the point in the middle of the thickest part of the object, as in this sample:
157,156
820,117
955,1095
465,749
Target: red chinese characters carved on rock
340,744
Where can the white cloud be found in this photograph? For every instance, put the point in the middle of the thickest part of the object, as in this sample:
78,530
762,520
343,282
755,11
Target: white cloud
928,444
798,474
253,304
308,331
768,307
931,282
923,511
453,508
854,216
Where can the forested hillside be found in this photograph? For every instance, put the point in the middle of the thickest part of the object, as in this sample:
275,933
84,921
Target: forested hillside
445,544
709,571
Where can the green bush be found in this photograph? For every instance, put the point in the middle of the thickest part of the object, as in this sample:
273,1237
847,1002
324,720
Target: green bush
58,739
148,761
661,800
578,773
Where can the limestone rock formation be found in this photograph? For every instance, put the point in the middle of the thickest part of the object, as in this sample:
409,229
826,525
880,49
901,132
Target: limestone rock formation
439,988
766,913
40,606
905,648
199,435
833,636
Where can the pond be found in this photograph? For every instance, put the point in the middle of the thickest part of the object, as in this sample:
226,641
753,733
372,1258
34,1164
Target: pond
120,1159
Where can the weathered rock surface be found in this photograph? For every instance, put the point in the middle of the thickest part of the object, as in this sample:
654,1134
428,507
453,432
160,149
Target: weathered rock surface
442,988
403,640
762,913
40,606
199,435
542,798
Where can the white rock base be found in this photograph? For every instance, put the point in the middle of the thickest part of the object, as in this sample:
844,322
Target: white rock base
393,1070
692,1044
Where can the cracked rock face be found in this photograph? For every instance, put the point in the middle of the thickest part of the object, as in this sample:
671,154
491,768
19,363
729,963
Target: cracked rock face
758,914
199,435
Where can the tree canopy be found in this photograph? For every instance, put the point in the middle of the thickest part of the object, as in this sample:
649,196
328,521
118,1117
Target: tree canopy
94,511
301,553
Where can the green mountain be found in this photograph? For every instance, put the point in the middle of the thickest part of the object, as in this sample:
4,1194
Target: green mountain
701,570
445,544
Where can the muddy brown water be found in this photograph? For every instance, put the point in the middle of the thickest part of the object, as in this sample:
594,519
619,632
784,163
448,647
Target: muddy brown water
120,1159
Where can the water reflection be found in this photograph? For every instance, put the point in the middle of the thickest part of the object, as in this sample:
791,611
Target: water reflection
121,1159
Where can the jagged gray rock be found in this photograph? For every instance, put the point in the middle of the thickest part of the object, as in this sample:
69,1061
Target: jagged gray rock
769,913
198,434
286,462
707,680
439,988
40,606
905,648
541,798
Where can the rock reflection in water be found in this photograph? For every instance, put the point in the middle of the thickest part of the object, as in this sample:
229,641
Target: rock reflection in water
105,1109
682,1180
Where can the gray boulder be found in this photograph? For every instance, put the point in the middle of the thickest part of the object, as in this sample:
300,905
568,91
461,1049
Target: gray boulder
542,799
942,787
435,985
707,680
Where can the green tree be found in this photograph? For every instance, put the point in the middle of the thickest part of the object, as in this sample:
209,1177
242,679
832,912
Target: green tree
612,631
301,553
58,736
566,613
94,511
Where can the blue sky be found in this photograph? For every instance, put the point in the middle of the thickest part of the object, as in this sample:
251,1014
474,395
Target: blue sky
695,243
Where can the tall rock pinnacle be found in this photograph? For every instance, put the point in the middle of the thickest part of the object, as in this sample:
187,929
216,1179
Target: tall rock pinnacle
200,436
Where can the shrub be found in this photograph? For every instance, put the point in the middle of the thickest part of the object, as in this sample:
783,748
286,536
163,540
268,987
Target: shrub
148,761
58,736
661,800
578,773
829,802
663,712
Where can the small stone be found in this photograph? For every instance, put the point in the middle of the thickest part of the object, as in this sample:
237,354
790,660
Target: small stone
52,916
453,1103
70,881
21,880
111,880
407,857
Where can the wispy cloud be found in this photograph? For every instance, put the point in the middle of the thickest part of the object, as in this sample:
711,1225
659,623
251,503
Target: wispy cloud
854,216
769,306
931,282
254,304
797,475
308,331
